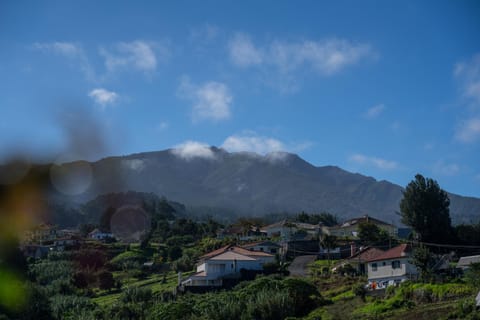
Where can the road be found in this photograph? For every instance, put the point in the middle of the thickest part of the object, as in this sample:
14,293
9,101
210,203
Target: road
298,267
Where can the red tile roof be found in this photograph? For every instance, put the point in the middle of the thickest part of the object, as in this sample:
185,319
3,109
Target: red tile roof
246,252
264,242
366,254
396,252
215,252
235,249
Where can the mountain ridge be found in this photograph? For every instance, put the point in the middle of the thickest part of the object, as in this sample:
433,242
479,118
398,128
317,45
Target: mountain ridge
246,183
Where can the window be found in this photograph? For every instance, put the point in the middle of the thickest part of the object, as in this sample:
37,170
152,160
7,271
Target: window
374,267
395,264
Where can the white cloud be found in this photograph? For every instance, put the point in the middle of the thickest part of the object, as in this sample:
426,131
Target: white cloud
378,163
69,50
374,111
468,73
103,97
162,126
204,34
469,130
397,126
253,143
243,52
134,164
428,146
445,169
192,149
271,148
326,57
138,55
211,100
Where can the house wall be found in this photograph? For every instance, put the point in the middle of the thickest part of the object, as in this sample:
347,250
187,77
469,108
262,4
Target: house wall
265,248
385,270
206,282
225,267
215,269
201,267
264,260
284,232
352,231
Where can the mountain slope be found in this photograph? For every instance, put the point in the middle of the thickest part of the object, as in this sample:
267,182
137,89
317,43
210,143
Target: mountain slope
250,184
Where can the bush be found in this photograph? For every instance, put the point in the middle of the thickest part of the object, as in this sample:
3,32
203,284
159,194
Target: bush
472,275
185,263
64,305
171,311
127,258
360,291
136,295
466,309
271,268
105,280
90,259
174,253
220,306
46,272
268,305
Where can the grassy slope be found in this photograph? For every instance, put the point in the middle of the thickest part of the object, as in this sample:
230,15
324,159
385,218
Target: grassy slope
153,282
345,305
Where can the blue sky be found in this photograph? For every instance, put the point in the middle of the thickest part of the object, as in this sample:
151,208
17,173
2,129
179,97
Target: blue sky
386,89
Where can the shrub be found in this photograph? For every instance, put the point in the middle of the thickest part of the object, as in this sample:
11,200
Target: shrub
47,271
90,259
136,295
360,291
268,305
220,306
105,280
171,311
127,258
64,305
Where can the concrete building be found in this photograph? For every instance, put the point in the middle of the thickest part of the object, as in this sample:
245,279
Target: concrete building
391,267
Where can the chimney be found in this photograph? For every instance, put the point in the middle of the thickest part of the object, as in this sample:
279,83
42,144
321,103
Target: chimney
352,248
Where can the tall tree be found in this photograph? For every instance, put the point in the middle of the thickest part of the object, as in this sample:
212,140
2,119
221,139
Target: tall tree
425,208
328,242
369,233
423,259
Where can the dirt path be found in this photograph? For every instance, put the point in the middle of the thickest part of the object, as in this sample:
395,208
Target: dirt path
298,267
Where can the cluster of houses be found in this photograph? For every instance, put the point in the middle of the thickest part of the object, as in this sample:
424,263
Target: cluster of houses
228,263
286,230
39,241
383,266
267,245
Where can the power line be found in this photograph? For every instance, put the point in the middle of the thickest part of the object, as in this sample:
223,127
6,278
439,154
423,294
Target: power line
453,246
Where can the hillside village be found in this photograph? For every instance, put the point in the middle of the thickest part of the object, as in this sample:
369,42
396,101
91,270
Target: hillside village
369,259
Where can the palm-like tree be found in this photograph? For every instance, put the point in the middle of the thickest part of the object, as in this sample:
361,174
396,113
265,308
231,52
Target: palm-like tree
328,242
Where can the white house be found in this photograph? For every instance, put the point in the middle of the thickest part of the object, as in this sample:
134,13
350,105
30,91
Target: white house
286,230
226,263
99,235
263,246
391,267
465,262
350,228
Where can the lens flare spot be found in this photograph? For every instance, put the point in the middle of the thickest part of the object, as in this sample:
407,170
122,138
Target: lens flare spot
130,223
71,178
